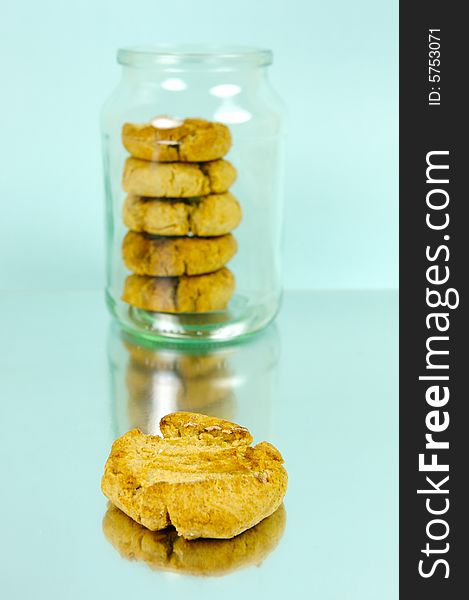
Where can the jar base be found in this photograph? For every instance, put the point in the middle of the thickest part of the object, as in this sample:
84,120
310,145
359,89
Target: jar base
239,320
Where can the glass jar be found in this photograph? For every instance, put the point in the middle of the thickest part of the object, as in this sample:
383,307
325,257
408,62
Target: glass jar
192,142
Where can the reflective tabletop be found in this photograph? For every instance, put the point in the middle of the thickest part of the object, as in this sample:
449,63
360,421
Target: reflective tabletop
321,384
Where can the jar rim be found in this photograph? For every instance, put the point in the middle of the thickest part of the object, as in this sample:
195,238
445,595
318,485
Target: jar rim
192,54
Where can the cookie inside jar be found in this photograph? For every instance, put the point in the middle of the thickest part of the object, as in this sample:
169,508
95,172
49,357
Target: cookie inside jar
179,214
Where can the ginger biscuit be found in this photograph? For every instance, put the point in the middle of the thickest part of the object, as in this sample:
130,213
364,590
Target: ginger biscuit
177,180
212,215
198,293
166,139
202,476
175,256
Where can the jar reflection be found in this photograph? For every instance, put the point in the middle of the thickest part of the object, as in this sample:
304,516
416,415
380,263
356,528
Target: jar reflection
234,382
193,130
166,551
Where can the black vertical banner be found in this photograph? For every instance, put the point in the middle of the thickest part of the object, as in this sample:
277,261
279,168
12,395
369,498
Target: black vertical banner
434,268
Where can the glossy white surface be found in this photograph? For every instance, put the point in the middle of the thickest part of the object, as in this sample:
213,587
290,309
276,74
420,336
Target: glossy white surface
322,387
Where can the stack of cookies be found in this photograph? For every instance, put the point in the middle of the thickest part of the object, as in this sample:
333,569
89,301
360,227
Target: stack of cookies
179,213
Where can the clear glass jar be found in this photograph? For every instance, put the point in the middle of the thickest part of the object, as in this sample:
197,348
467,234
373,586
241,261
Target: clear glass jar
192,143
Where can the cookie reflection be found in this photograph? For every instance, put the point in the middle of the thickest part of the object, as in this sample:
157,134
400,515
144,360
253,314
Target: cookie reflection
166,551
148,381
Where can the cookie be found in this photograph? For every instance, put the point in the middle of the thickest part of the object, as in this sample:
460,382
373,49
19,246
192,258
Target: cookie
173,256
199,293
166,551
203,477
166,139
212,215
177,180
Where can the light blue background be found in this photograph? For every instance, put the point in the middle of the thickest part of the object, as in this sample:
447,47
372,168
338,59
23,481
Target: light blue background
335,66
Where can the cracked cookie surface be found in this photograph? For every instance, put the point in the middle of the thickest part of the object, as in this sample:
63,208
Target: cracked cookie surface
212,215
171,140
175,256
198,293
177,180
202,476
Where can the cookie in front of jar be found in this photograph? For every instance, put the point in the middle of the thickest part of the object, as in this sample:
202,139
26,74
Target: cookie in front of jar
202,476
186,294
177,180
167,139
207,216
166,550
176,256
